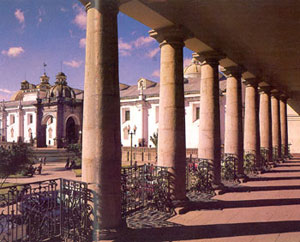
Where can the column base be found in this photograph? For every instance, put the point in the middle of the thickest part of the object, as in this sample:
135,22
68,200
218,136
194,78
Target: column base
180,202
110,234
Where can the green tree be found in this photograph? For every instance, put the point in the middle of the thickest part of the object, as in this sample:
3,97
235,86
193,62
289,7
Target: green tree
154,139
14,160
76,151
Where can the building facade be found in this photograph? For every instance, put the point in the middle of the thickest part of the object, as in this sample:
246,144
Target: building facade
44,114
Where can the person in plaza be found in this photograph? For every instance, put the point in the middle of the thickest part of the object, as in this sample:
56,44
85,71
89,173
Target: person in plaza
39,169
44,160
67,164
72,166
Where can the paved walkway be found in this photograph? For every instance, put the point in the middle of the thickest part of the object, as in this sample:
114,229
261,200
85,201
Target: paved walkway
51,170
264,209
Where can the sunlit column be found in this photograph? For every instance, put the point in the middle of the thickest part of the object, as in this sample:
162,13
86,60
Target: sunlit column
251,120
283,125
171,132
276,134
101,151
233,116
209,124
265,121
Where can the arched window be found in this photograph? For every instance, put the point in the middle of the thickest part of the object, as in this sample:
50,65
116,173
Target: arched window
50,120
12,132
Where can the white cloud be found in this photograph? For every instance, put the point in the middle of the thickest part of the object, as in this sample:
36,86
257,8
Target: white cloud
73,63
187,61
153,52
20,16
142,41
13,51
124,48
62,9
41,13
156,73
6,91
80,18
82,43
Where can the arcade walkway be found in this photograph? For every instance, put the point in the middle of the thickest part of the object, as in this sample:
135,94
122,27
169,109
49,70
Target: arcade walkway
267,208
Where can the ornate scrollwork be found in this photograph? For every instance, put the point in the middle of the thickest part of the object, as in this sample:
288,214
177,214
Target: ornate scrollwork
145,186
229,166
200,176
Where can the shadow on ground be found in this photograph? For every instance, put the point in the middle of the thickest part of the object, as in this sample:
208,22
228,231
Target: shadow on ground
258,189
177,233
219,204
281,171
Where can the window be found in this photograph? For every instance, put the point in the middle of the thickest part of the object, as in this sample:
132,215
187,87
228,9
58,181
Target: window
127,115
12,119
125,133
197,113
30,133
29,119
50,131
50,120
12,133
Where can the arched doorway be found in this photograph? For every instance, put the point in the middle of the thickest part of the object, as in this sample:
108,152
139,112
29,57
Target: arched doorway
47,131
71,131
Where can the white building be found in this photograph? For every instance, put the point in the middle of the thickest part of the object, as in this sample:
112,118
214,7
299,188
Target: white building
140,108
49,115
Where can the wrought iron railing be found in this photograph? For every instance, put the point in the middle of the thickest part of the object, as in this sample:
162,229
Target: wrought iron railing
145,186
264,155
229,167
199,177
289,151
250,163
275,154
40,211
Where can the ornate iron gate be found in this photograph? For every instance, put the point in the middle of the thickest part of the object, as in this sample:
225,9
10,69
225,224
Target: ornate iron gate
55,210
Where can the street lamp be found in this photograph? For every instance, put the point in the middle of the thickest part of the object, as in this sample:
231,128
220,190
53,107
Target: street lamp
131,133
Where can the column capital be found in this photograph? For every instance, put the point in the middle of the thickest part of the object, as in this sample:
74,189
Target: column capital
107,5
234,71
284,97
209,57
275,93
251,82
265,89
175,34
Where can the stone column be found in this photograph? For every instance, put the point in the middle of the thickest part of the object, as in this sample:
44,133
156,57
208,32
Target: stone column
265,121
209,123
251,121
21,123
171,131
233,116
101,145
276,135
4,123
283,125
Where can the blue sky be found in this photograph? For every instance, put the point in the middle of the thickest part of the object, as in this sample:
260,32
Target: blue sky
53,31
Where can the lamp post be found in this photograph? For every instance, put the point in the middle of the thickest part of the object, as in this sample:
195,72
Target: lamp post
80,137
131,133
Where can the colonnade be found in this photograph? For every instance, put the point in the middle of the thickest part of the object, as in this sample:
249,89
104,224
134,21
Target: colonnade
101,125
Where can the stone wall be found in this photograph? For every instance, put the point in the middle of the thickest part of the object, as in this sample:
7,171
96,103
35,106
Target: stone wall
147,155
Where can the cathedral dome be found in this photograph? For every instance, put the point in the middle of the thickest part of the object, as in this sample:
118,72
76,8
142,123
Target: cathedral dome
61,88
193,69
44,84
17,96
